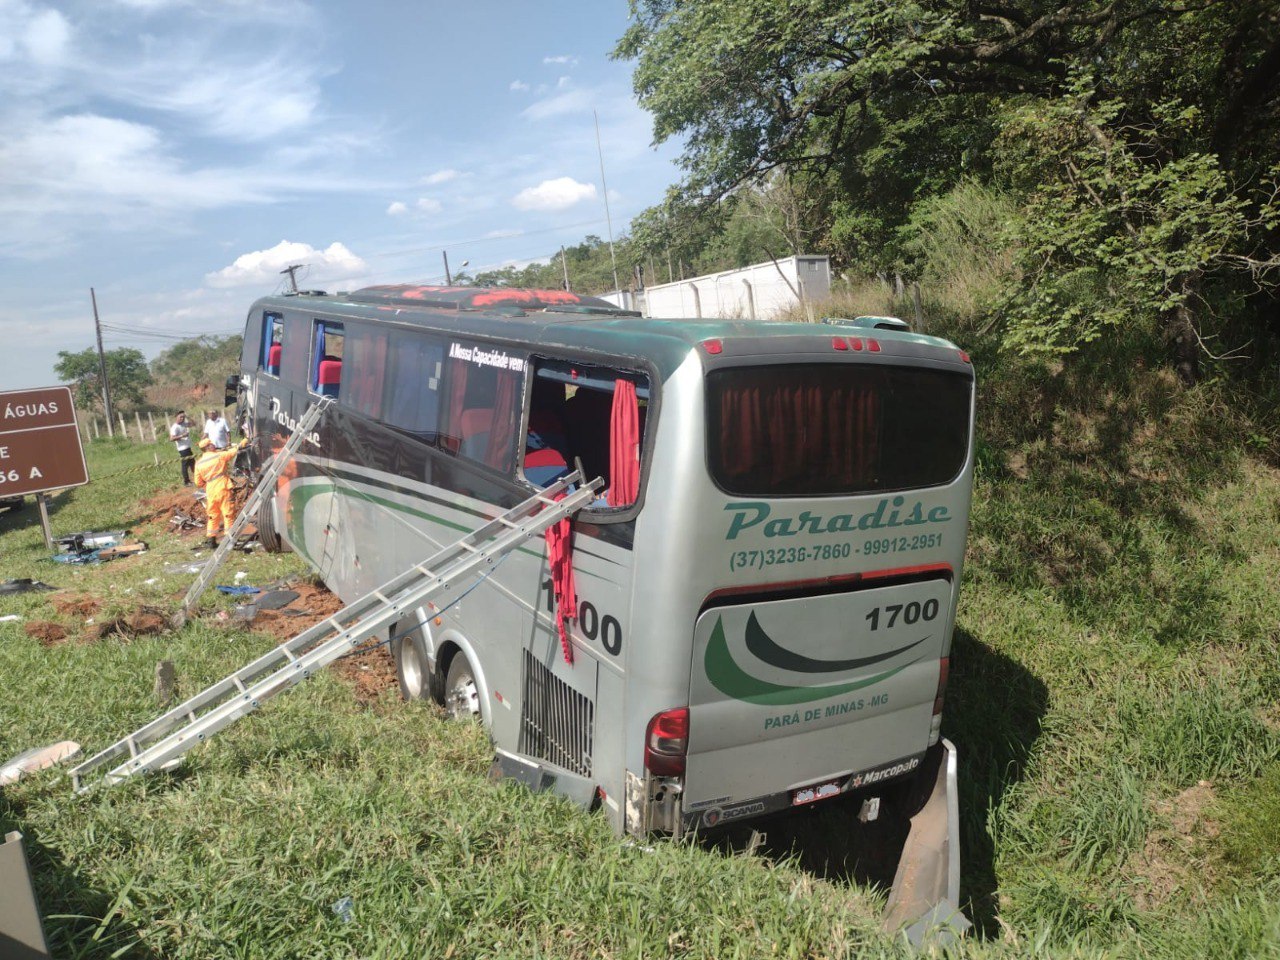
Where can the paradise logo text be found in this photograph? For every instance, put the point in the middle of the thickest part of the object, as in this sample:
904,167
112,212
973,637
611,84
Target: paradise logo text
748,514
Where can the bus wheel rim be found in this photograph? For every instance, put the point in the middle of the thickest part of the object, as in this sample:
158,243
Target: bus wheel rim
464,699
411,665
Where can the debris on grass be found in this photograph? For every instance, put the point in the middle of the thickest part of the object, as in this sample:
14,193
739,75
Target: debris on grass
23,585
10,618
35,759
276,599
46,631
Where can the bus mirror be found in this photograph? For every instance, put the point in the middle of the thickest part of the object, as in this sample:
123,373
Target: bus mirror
233,385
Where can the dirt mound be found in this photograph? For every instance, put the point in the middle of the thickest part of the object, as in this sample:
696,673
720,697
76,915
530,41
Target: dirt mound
138,622
161,508
80,605
314,603
371,672
49,634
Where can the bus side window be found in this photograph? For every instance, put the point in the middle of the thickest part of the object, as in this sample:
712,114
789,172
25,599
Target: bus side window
272,343
412,384
326,362
364,369
482,407
592,414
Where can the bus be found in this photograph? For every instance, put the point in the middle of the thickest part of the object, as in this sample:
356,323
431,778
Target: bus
764,590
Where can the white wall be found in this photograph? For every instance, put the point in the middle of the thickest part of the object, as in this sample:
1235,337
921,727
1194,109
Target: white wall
761,291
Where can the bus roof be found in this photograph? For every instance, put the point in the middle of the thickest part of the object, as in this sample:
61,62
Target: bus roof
560,318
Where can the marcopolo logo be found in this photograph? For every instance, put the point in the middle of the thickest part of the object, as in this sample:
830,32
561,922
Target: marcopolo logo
728,676
888,513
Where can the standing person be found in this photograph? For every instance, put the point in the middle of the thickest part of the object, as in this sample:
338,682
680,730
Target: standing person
180,434
213,473
215,428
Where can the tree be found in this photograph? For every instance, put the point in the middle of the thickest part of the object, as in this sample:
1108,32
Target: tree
127,374
894,104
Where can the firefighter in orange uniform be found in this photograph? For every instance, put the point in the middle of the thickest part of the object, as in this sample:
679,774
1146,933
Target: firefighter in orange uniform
213,473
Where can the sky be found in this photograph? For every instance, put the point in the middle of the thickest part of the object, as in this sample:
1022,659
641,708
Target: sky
176,155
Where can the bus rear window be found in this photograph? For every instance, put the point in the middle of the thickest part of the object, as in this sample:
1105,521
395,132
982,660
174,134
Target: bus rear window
831,429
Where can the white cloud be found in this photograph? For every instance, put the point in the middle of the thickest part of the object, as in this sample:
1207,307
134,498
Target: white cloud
563,58
262,267
241,99
563,82
47,37
440,176
551,195
519,86
573,101
503,234
397,209
39,37
428,205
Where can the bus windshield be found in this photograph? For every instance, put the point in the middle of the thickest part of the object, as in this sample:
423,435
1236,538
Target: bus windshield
835,429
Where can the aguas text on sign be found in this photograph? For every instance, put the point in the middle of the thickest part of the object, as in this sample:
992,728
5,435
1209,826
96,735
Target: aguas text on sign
39,442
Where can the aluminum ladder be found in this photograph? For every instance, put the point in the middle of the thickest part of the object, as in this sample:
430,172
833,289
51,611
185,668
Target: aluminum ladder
169,736
266,487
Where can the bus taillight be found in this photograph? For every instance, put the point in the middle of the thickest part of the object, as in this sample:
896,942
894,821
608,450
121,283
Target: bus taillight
935,725
666,741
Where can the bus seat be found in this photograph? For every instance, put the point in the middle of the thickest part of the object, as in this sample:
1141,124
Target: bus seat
329,377
544,467
546,430
273,360
474,426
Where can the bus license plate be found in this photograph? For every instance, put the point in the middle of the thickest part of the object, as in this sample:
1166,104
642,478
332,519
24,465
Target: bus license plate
817,792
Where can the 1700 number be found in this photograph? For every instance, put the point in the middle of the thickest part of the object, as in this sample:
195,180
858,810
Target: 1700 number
910,613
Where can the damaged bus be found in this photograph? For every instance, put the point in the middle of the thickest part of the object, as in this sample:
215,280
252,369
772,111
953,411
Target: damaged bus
765,590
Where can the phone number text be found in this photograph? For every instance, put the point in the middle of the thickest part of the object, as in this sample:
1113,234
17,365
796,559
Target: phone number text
775,556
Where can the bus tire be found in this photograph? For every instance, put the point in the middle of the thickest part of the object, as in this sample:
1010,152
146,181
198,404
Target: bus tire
461,692
268,536
413,668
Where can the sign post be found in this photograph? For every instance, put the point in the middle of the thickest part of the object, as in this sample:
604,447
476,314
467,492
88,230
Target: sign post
40,448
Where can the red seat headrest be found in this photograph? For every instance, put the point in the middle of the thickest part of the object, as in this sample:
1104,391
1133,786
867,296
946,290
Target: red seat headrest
330,372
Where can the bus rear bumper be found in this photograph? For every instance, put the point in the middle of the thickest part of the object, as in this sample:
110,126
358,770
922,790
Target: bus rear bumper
924,901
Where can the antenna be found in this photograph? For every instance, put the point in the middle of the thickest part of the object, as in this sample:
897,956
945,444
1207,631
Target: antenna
292,271
607,218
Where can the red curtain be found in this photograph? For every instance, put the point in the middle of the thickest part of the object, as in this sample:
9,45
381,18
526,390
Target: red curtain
451,422
624,446
505,415
779,431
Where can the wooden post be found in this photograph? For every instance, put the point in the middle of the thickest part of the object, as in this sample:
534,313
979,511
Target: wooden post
138,417
123,432
166,680
43,500
110,431
151,420
96,434
915,295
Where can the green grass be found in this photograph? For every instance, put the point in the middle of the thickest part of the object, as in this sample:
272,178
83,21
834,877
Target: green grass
1116,648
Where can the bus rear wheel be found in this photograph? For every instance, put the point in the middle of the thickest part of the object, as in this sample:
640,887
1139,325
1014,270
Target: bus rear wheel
418,681
461,693
268,536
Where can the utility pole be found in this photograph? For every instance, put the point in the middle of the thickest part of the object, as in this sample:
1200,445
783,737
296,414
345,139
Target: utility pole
292,272
564,262
102,362
607,218
448,278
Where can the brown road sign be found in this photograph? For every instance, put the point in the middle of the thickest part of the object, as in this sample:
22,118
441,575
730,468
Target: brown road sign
39,442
